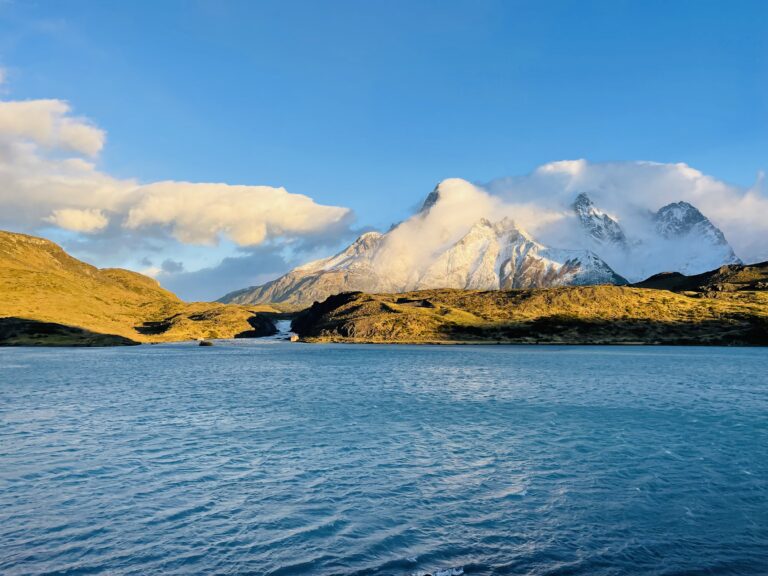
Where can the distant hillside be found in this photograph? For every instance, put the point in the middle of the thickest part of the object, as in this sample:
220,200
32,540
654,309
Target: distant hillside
49,297
729,278
567,315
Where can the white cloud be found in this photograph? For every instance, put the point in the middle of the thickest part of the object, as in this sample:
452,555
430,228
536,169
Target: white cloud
88,220
628,190
49,123
45,177
412,244
200,213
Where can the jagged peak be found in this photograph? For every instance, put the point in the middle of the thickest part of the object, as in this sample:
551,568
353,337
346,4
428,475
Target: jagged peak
679,211
450,187
583,201
679,218
364,246
506,223
600,226
483,223
364,242
584,205
430,200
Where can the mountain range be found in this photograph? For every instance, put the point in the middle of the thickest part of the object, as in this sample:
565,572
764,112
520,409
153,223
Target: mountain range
492,254
49,298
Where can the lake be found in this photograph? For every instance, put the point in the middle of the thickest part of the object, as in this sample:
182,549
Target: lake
265,457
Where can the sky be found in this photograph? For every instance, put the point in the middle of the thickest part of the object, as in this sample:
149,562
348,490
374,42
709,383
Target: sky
216,144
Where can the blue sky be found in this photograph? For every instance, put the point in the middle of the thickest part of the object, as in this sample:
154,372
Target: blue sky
368,105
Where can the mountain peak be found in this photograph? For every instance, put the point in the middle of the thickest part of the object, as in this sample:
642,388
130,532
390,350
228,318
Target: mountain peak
430,200
450,189
491,252
499,227
582,202
679,218
683,222
596,223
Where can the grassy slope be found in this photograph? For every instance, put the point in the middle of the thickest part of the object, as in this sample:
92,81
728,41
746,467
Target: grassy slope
39,281
590,314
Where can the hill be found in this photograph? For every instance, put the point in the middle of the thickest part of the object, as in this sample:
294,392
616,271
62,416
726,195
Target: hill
729,278
566,315
49,297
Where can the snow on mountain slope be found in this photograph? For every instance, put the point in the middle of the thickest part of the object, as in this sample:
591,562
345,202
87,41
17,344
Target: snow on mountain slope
692,244
452,243
357,255
493,256
489,257
676,238
349,270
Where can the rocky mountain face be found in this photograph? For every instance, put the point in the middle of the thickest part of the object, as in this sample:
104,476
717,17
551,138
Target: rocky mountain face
683,224
350,269
494,255
676,238
596,223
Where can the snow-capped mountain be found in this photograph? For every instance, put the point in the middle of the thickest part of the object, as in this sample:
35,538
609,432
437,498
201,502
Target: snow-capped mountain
489,256
692,243
676,238
493,256
452,243
349,270
596,223
682,220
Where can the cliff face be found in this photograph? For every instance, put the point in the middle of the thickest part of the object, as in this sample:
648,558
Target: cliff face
48,297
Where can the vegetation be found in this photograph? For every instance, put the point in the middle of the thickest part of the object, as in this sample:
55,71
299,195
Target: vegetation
41,287
568,315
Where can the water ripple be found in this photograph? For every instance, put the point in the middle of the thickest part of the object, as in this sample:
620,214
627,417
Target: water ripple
286,459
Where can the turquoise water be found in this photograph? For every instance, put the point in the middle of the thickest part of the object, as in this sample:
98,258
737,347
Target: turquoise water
278,458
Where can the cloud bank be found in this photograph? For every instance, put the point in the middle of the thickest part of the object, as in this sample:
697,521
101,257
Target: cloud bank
48,176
